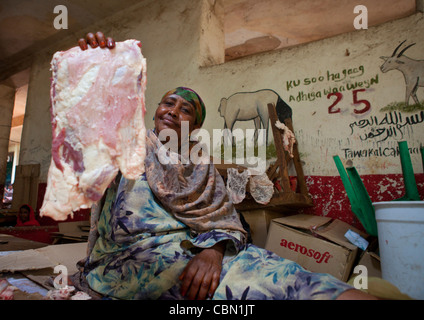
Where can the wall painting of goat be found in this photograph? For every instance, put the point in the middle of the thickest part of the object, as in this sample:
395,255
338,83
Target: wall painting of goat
412,70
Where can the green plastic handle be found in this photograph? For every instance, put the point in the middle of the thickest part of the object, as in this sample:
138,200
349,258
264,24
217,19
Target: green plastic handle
411,190
358,197
346,183
367,209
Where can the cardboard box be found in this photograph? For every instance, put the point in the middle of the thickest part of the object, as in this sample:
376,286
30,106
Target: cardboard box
259,221
371,260
314,242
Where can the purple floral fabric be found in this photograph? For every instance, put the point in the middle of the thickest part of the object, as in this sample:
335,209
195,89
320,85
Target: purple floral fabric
141,249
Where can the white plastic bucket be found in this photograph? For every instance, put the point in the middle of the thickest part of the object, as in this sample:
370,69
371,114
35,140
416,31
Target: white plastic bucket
401,241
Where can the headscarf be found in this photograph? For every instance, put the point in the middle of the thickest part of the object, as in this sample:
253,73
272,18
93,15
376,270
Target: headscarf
192,97
195,194
31,221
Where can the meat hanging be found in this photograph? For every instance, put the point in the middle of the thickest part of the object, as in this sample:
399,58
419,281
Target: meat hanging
97,116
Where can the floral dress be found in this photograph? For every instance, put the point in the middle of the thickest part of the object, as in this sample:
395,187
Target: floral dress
141,250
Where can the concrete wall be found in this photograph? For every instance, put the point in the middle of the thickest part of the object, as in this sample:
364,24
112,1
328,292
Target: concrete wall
183,43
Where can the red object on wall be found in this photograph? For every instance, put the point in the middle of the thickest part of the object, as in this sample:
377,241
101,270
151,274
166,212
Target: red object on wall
330,198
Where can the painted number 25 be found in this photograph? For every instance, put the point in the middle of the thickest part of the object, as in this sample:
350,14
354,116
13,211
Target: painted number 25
356,102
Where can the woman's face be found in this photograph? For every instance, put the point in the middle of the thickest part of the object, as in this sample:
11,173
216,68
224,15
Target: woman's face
24,214
172,110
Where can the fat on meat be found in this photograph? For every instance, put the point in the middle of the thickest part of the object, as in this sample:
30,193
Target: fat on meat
97,115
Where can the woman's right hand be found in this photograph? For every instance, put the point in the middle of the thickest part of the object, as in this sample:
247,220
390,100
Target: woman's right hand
96,40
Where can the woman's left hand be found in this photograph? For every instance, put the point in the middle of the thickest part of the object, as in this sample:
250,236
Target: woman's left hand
200,277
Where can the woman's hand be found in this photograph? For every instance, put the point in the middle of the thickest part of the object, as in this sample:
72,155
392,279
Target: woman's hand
96,40
200,277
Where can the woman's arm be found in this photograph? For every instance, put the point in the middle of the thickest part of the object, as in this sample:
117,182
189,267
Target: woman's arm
201,276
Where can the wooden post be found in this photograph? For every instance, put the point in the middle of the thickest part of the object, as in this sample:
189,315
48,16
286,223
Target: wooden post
297,163
279,146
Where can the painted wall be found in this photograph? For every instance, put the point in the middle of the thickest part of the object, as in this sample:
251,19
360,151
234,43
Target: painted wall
183,42
343,104
325,126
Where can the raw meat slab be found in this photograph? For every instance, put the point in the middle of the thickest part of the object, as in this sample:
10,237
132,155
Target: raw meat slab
97,110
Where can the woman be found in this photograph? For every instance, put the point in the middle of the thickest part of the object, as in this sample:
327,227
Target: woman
174,233
26,217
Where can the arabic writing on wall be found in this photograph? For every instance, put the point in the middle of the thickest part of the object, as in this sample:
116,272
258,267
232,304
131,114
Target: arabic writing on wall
390,126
